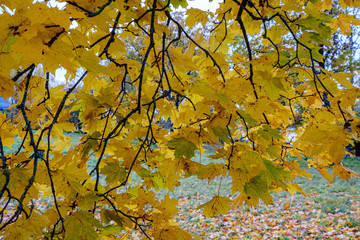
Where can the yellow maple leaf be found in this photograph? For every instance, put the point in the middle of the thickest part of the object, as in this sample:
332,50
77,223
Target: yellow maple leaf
6,87
217,205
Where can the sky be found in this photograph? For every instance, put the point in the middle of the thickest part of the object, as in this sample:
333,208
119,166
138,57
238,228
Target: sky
205,4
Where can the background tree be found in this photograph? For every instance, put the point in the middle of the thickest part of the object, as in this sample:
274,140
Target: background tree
142,63
342,56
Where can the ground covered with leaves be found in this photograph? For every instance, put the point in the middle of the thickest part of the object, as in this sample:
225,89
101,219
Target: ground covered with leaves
291,217
329,211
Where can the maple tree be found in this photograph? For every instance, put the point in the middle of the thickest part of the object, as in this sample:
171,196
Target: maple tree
139,65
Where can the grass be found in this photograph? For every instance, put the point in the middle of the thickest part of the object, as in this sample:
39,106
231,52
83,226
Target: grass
353,222
330,194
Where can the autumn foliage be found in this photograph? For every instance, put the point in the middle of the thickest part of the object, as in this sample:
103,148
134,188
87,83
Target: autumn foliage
153,84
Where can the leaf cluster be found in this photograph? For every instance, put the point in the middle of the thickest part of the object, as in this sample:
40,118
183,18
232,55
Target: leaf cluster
134,65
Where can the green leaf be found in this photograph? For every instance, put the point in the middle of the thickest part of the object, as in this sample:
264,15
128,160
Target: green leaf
248,118
111,230
107,216
177,3
276,174
221,133
113,172
81,225
269,133
258,188
182,147
90,144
